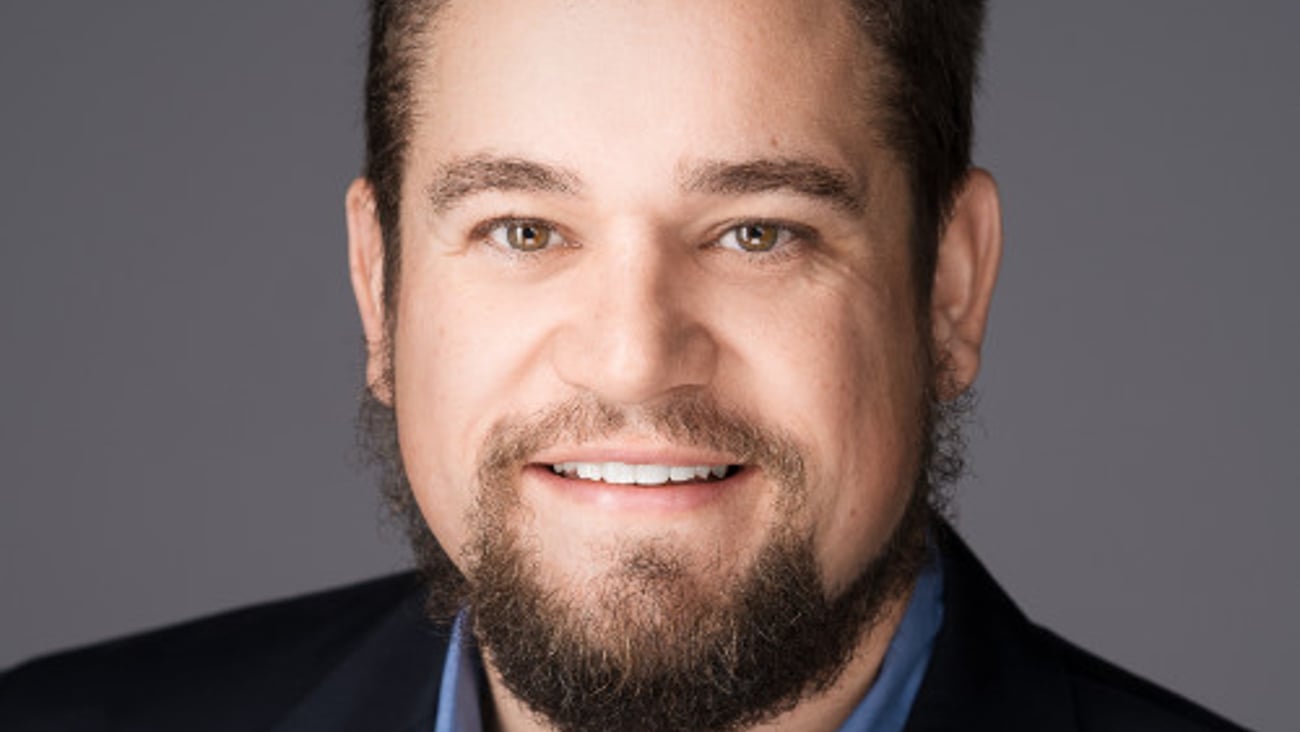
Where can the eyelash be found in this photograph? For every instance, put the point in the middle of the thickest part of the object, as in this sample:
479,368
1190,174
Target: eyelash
482,233
795,236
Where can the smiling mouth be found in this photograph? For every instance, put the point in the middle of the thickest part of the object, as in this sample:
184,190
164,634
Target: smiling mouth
643,474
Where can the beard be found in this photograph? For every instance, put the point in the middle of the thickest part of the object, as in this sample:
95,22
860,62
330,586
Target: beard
648,646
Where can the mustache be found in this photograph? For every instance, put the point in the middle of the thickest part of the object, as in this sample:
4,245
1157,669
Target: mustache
687,419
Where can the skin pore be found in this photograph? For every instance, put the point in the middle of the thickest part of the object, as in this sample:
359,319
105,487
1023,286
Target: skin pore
664,234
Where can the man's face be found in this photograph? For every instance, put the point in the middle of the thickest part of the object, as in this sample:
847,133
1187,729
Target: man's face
649,115
655,313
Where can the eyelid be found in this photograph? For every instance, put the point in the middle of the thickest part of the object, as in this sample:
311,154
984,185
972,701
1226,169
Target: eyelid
482,232
795,234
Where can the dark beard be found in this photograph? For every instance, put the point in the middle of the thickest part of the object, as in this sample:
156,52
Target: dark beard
652,650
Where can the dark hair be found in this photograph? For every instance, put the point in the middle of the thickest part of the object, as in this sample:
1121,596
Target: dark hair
930,47
931,50
397,31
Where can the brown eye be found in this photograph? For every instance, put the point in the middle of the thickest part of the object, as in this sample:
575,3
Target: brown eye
755,237
527,237
524,236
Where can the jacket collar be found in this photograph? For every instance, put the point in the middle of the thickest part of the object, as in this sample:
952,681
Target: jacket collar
389,681
991,668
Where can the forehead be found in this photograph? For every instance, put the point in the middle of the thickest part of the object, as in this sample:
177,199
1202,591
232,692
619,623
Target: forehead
591,79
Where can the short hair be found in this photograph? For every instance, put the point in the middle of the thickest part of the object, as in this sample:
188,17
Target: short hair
931,50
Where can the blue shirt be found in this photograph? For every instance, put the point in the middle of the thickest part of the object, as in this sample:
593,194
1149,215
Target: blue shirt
884,708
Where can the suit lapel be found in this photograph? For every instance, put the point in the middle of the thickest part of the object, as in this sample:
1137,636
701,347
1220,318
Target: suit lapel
991,669
389,683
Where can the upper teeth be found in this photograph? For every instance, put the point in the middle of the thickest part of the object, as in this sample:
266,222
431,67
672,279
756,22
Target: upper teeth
629,474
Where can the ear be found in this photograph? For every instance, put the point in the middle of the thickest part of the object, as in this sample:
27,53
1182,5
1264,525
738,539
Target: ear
366,265
965,273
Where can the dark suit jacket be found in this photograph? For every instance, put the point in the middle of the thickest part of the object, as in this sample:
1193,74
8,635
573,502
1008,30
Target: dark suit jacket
363,658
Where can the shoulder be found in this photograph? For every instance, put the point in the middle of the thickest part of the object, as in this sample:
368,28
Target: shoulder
1107,697
991,668
260,656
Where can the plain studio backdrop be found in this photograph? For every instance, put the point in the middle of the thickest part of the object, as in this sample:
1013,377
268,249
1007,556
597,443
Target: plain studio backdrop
181,356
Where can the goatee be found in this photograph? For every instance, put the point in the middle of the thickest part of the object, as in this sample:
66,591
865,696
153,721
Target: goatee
653,648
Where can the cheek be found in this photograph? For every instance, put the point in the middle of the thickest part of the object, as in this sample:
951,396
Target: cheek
844,380
868,479
461,356
427,410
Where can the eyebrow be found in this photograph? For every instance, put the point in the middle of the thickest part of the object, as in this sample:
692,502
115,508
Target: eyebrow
465,177
803,176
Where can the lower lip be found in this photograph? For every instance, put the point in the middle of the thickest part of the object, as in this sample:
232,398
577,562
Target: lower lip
666,498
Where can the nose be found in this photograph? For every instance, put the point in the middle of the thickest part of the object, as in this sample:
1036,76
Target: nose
637,331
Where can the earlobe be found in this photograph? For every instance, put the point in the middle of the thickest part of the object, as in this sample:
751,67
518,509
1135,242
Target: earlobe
366,267
970,250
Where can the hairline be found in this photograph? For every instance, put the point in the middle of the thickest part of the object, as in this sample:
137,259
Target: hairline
903,84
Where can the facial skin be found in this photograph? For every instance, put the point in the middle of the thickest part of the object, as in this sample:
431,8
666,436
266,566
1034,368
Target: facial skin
644,143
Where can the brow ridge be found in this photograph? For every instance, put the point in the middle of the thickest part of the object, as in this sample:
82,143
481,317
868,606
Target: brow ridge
464,177
803,176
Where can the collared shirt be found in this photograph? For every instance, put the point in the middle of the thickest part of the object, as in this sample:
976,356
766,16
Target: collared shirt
884,708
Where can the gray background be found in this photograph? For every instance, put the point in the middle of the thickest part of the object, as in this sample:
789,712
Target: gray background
180,354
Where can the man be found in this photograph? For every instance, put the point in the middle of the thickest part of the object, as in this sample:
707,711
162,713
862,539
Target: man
670,311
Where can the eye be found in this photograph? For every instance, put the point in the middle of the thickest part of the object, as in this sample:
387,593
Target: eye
756,236
523,235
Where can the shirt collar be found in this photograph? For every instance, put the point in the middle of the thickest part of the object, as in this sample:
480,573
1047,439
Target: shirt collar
889,700
458,697
884,708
